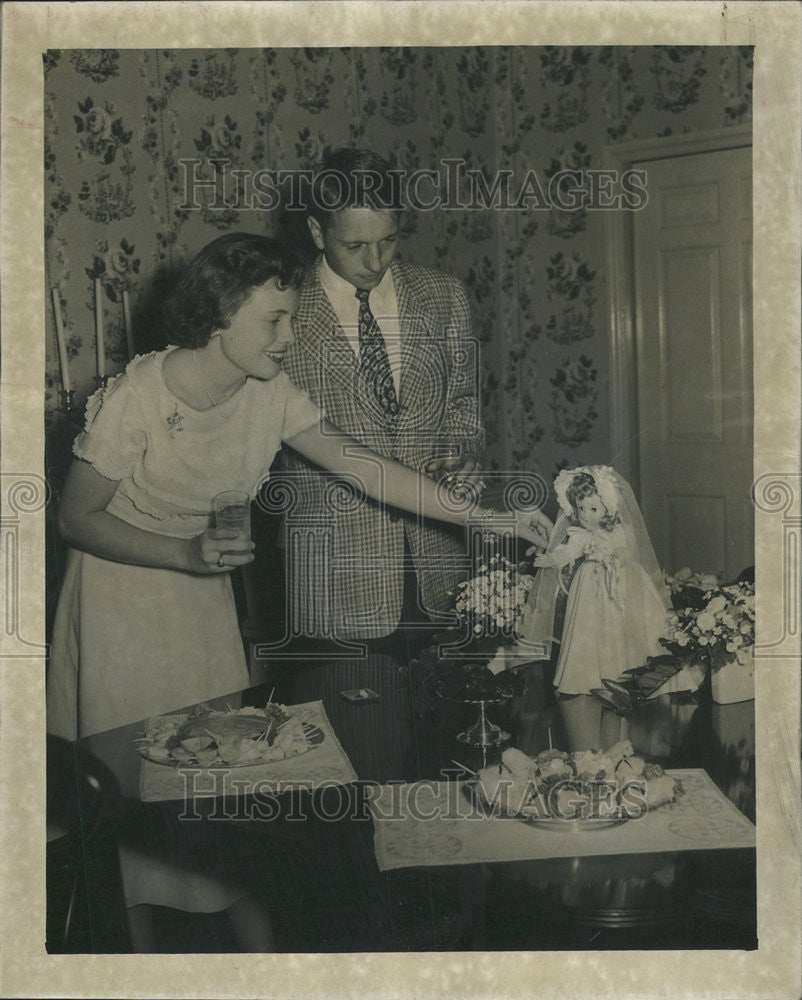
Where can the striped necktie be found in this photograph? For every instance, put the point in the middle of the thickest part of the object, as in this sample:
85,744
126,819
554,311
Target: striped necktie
373,359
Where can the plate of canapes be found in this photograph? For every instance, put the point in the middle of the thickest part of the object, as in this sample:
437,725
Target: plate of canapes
573,791
232,738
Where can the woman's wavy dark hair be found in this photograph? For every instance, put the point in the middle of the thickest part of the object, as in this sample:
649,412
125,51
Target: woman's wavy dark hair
220,279
581,486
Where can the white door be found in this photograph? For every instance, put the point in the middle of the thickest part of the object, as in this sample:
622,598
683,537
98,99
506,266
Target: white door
693,267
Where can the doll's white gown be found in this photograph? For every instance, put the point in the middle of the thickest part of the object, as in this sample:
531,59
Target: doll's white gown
614,615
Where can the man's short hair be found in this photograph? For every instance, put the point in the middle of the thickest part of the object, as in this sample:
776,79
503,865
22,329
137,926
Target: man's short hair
354,178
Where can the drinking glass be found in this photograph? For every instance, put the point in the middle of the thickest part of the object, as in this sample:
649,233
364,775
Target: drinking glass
232,511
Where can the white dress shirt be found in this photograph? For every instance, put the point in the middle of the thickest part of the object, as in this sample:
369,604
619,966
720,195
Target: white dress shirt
383,304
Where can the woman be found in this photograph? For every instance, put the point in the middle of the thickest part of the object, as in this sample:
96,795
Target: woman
146,621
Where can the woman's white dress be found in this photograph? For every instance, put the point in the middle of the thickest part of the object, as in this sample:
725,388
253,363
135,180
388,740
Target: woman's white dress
131,641
614,615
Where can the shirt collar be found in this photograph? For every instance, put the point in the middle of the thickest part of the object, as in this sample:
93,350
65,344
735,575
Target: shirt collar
343,293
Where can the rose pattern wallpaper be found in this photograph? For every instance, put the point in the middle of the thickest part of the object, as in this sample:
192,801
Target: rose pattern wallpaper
125,130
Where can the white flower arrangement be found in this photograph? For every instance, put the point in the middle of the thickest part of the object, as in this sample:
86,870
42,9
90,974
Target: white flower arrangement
722,628
493,600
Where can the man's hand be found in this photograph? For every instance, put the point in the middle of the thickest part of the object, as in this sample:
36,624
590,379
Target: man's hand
459,475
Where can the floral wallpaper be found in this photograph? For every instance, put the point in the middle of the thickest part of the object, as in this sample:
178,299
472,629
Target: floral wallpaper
120,123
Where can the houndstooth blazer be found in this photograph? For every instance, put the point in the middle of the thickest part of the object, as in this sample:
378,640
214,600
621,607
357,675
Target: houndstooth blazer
344,552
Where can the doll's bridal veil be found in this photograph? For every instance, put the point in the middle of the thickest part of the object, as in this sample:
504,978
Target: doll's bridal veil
537,621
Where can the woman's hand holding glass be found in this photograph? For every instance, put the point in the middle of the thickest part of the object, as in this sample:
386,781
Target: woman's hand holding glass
228,544
219,550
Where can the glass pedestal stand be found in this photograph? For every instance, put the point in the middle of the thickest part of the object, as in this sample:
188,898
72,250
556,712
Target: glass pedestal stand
483,733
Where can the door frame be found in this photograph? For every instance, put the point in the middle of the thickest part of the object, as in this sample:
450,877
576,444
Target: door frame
620,261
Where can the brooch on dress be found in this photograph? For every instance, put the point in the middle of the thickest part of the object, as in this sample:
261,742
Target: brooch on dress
174,422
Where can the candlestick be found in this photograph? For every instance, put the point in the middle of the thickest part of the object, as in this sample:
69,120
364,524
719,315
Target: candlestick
129,333
101,347
67,399
61,341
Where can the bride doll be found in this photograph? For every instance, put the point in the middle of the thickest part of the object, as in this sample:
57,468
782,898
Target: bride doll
617,600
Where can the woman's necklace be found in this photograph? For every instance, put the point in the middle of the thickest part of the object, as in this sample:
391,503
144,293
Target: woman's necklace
202,384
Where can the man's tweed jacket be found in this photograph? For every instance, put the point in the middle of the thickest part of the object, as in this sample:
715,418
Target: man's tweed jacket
344,553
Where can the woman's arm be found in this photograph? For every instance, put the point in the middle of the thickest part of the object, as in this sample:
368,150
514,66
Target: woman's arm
85,524
563,554
559,556
390,482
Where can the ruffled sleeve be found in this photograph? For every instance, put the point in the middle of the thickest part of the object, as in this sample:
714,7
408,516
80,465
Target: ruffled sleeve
299,410
114,438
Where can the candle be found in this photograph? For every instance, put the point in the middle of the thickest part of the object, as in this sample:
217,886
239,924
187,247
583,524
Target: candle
129,333
62,343
101,347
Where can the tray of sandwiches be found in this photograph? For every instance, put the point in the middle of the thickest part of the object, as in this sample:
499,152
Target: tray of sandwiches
573,791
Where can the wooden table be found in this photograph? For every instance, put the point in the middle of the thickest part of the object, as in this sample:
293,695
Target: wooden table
320,878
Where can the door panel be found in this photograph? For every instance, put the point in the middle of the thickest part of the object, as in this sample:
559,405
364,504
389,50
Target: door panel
690,355
693,266
697,524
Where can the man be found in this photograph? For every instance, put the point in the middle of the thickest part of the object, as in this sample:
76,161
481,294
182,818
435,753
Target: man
386,350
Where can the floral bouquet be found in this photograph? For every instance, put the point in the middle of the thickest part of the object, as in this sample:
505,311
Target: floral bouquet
710,622
722,630
688,589
493,601
489,605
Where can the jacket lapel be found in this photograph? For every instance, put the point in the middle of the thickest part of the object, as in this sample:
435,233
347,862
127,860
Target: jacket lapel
331,368
316,319
419,356
320,337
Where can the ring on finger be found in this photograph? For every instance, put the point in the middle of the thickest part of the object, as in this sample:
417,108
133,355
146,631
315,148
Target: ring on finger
220,562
